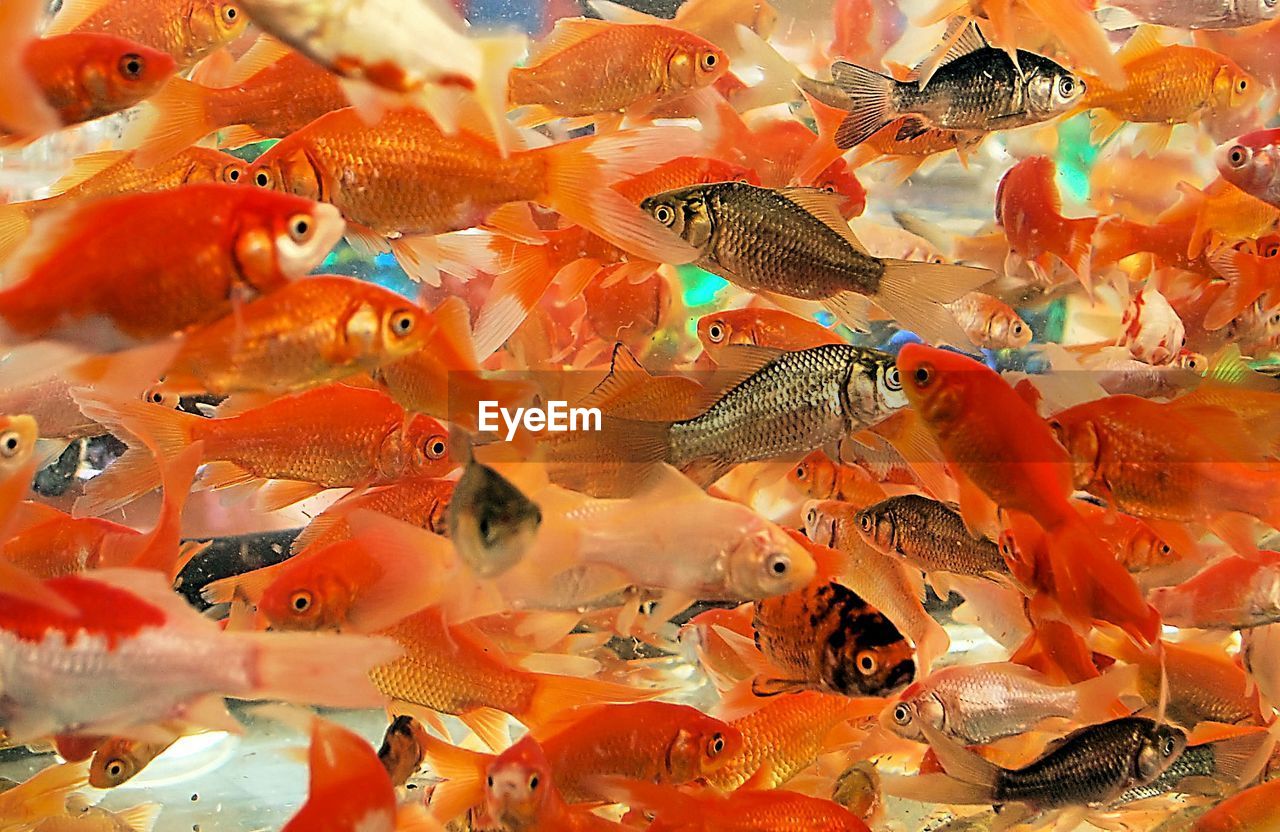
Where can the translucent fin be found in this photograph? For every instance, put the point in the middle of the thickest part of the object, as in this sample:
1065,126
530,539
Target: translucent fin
869,94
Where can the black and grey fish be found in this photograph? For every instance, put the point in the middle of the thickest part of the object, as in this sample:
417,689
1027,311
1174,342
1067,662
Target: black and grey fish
793,242
491,522
929,535
972,87
1092,766
1211,767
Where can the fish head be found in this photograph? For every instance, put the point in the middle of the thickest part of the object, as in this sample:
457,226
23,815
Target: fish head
686,211
715,331
916,704
316,594
115,761
839,179
1234,89
1004,329
115,72
820,523
1249,161
814,475
209,165
876,526
766,562
212,23
516,785
876,380
18,435
491,523
421,448
281,235
400,330
1081,436
701,746
694,63
938,384
287,168
1051,88
1160,747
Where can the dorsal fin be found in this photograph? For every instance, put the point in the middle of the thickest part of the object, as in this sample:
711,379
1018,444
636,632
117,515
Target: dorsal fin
265,52
1145,41
736,363
618,13
825,206
625,373
568,32
72,14
86,167
962,38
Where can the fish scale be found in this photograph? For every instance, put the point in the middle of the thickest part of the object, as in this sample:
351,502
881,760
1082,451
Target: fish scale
930,535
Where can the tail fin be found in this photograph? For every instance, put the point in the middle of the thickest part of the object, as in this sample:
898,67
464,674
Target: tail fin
1097,699
23,108
869,94
140,818
578,187
525,272
1245,276
1082,36
557,694
916,295
462,771
319,668
15,222
159,548
178,118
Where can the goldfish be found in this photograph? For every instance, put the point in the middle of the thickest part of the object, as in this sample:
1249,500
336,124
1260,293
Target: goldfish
423,501
113,172
977,704
520,794
140,818
1249,163
379,443
307,333
1166,85
1009,456
1255,654
929,535
819,477
85,76
761,327
133,639
491,523
744,809
187,31
1200,14
1233,593
974,87
222,243
119,759
658,63
1249,276
991,323
1029,210
1151,328
886,582
412,179
735,228
1253,808
347,787
401,752
1204,683
655,741
269,93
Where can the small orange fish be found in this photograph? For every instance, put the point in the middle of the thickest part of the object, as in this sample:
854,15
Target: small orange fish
269,93
744,810
422,501
991,323
404,178
88,280
348,788
820,478
655,64
1256,808
1029,209
113,172
186,29
1249,276
329,437
307,333
762,327
520,794
119,760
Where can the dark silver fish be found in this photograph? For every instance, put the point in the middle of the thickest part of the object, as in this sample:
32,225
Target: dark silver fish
401,752
793,242
972,87
491,522
1195,772
929,535
1200,14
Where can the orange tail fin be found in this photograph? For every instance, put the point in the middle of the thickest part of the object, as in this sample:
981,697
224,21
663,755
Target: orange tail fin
463,774
178,118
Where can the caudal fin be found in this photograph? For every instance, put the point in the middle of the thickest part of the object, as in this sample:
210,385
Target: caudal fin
15,222
322,669
462,772
917,294
869,96
177,117
578,187
555,695
1244,274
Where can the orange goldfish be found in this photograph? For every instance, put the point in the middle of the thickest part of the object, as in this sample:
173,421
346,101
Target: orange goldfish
403,178
348,787
1233,593
656,741
1000,451
738,811
43,794
1029,209
1255,809
269,93
1166,85
823,479
307,333
186,29
112,172
119,759
520,794
991,323
762,327
329,437
656,64
85,76
422,501
1249,276
89,281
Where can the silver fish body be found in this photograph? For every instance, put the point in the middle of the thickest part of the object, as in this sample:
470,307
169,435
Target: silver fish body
929,535
1200,14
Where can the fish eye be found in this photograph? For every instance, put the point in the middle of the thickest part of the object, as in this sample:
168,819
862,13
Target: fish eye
300,228
893,379
811,518
489,780
402,322
1164,548
233,175
435,447
778,564
716,332
1272,250
717,744
10,441
131,66
1017,329
300,601
115,768
710,61
533,782
802,471
1066,86
867,663
1238,156
230,14
923,376
664,214
1242,85
864,522
901,713
1168,746
262,179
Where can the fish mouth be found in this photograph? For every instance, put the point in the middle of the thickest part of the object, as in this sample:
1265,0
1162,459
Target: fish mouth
900,675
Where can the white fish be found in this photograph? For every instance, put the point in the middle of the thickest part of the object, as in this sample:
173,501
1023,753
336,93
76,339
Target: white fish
1200,14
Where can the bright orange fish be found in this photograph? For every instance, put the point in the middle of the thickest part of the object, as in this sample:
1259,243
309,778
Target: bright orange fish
763,327
744,810
821,478
348,788
404,178
990,323
330,437
307,333
1000,451
269,93
655,64
186,29
90,281
520,794
112,172
1029,209
1253,809
422,501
